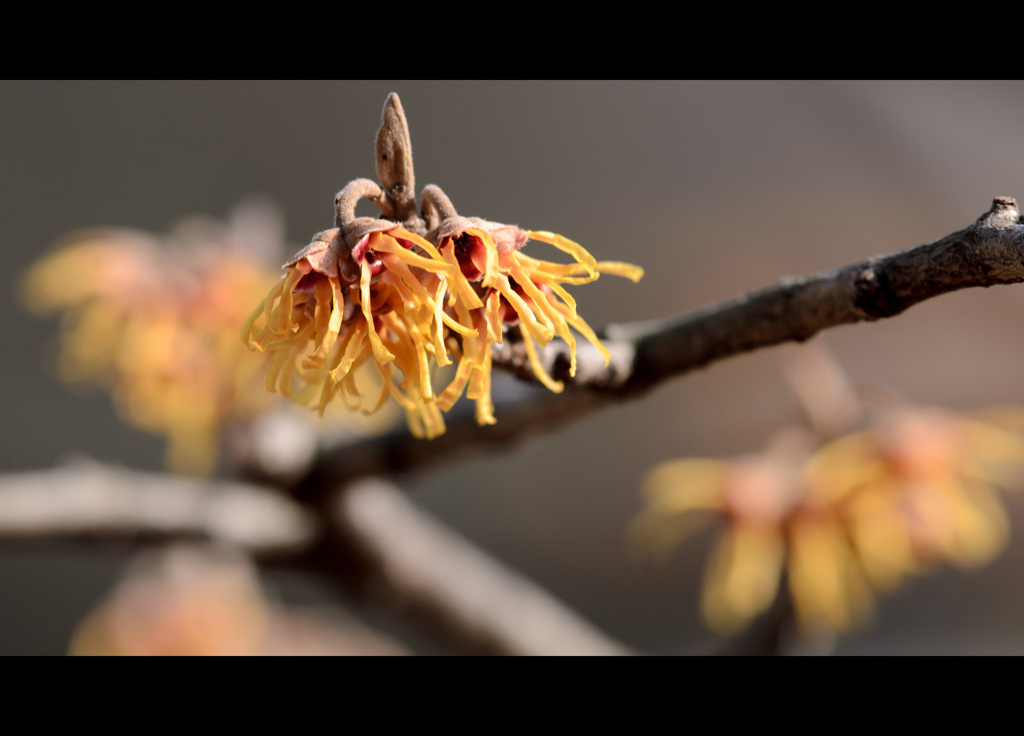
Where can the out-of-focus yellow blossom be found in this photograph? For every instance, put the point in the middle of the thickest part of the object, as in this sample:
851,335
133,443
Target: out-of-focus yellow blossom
158,326
771,525
184,602
156,321
861,512
920,489
198,601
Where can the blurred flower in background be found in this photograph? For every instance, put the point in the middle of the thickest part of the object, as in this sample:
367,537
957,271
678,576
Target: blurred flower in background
192,600
920,487
773,522
179,602
839,519
156,321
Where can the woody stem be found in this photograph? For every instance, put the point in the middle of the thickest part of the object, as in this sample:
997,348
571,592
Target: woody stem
346,200
436,206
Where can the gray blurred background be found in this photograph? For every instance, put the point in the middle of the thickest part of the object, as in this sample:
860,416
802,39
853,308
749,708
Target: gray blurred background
715,188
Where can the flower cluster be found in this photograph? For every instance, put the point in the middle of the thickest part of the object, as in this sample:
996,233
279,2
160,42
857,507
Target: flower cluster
915,489
411,297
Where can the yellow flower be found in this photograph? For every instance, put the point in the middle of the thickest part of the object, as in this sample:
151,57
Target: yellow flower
771,525
862,512
373,292
406,293
157,323
337,306
921,488
493,283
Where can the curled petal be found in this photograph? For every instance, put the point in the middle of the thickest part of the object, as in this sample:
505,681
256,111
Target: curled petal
742,578
828,588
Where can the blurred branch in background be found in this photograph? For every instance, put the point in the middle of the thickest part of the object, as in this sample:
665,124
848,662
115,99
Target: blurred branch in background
89,502
371,541
439,579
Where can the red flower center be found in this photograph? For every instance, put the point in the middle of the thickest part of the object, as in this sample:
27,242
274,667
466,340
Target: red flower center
469,252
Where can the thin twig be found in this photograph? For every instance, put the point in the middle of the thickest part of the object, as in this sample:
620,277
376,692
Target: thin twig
988,252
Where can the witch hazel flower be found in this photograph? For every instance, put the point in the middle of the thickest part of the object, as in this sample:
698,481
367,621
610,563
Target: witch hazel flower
775,527
408,293
494,284
367,288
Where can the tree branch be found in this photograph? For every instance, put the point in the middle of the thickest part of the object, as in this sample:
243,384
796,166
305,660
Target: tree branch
646,354
988,252
439,580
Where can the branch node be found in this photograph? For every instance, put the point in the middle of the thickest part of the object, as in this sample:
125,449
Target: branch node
1002,214
874,296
